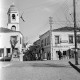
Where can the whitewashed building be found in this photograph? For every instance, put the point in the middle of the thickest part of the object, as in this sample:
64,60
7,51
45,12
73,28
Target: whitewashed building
62,40
12,31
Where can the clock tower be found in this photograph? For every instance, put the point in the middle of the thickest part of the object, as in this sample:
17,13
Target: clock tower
13,18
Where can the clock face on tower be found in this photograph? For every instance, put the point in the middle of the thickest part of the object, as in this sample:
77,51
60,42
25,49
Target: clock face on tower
13,28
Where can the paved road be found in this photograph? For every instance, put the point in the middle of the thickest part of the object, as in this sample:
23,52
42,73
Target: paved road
38,70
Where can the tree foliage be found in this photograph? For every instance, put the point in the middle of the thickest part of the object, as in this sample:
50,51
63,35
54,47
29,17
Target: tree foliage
33,53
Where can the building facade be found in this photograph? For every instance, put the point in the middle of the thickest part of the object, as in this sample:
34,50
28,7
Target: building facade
62,43
10,35
37,45
37,42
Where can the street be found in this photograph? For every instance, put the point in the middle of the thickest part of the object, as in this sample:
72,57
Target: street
38,70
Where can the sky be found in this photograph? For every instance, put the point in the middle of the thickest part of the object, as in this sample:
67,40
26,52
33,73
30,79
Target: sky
36,14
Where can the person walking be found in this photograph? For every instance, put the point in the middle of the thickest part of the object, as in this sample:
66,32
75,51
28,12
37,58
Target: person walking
60,55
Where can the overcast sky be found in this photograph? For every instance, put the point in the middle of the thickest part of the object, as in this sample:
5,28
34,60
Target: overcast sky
36,14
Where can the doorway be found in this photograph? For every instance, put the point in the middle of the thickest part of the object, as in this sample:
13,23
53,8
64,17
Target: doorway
8,52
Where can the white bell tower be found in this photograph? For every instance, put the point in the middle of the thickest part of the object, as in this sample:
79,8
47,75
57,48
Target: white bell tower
13,18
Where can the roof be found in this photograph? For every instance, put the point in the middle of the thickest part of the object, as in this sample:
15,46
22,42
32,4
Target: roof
12,8
6,30
63,29
37,42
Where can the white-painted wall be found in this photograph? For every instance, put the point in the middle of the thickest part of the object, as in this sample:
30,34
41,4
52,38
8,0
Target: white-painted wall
5,40
64,37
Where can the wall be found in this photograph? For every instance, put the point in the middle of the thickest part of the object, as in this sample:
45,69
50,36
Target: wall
64,38
5,40
64,44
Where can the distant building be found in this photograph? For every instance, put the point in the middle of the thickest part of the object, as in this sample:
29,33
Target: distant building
37,42
11,32
62,41
28,45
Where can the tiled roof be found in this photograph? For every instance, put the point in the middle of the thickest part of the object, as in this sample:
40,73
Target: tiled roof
66,29
5,30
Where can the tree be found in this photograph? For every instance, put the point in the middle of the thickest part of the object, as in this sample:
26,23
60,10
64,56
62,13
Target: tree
13,42
33,53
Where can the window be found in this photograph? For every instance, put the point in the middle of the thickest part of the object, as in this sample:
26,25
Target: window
13,40
13,28
13,37
48,40
70,38
1,52
20,40
13,16
42,43
56,39
45,42
8,52
78,39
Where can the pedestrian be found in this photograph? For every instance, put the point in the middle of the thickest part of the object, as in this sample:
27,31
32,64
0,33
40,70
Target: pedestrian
60,55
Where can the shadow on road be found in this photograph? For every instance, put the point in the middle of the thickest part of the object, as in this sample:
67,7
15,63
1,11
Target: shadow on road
50,65
75,67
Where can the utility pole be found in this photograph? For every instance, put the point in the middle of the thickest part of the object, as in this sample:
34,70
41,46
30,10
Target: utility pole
51,43
75,34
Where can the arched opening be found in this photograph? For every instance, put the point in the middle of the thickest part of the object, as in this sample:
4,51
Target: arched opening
13,28
13,16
